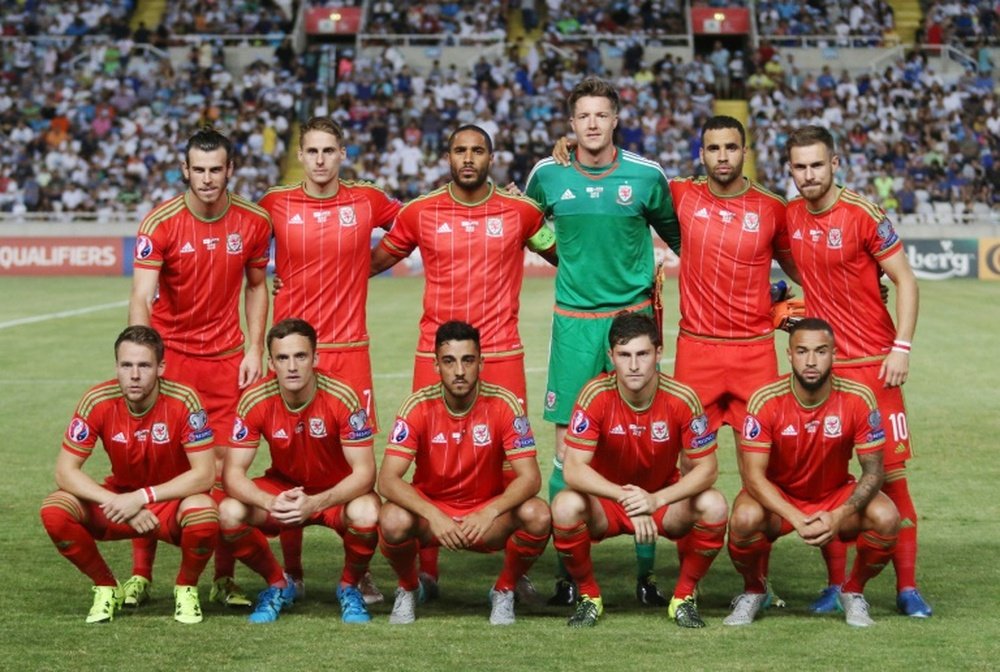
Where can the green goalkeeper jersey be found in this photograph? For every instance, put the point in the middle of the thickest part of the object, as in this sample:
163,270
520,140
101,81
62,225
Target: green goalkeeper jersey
602,217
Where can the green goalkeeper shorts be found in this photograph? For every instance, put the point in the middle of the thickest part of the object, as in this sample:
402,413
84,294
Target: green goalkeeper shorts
578,352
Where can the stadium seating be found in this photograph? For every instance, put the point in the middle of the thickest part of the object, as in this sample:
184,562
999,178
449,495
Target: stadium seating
98,130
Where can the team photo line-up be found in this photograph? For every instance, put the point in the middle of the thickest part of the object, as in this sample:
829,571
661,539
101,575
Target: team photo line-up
635,448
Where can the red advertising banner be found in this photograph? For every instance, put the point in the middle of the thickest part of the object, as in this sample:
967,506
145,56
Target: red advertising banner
332,20
720,20
61,256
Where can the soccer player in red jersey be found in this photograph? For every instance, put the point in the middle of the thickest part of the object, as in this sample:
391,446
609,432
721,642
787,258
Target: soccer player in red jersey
798,438
322,241
630,433
841,244
322,470
159,443
459,432
731,229
471,236
191,256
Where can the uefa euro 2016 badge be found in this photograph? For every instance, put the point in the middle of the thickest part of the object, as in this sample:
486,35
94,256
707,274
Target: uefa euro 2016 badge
751,222
240,430
347,216
579,423
78,431
143,247
494,227
234,243
480,435
834,239
624,194
831,427
751,428
400,432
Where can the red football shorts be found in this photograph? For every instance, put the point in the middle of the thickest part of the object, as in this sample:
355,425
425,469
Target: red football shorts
808,506
352,366
891,407
217,381
455,512
507,371
724,374
620,523
332,517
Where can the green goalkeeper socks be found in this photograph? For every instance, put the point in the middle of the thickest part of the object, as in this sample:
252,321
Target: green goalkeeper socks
556,485
645,555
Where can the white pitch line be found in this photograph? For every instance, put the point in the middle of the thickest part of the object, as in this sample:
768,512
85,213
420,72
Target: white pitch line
61,314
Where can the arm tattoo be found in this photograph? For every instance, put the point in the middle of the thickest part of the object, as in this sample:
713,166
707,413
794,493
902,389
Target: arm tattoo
872,475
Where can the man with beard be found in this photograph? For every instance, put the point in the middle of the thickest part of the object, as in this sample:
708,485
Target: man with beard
191,256
798,438
461,432
471,237
841,244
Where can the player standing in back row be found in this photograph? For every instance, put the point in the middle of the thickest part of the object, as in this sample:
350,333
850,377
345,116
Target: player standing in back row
841,243
322,242
602,208
191,256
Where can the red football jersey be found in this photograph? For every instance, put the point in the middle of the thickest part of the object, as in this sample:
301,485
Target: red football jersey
837,252
146,449
307,444
473,257
202,264
729,242
639,446
322,253
459,456
810,448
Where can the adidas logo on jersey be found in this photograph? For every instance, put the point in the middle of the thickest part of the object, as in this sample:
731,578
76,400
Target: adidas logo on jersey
790,431
567,196
617,429
281,433
440,438
188,248
119,437
444,228
703,213
296,219
797,235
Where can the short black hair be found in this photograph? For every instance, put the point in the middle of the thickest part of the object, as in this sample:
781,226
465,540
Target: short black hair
810,324
722,121
627,326
208,139
456,330
141,335
471,127
289,326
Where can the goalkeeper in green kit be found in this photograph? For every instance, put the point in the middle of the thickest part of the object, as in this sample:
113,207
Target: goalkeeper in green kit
602,207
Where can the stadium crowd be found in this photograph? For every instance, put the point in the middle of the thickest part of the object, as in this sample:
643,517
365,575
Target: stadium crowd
92,126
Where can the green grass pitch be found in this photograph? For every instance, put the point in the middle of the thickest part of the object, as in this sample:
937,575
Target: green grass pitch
47,363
